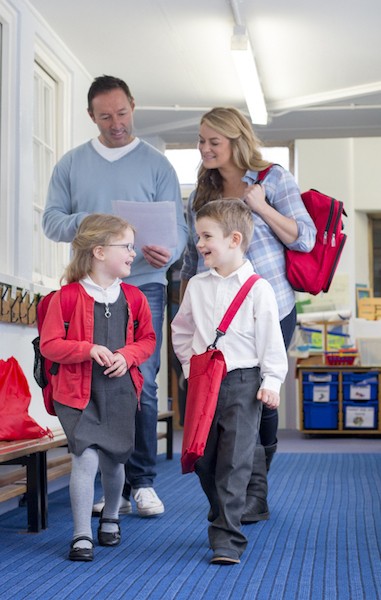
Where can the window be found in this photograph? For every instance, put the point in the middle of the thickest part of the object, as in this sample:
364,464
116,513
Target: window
187,161
49,257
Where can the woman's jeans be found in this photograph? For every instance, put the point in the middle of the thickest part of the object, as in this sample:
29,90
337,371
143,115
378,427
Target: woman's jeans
269,422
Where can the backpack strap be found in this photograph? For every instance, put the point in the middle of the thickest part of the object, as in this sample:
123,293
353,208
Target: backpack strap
262,174
234,306
69,297
132,296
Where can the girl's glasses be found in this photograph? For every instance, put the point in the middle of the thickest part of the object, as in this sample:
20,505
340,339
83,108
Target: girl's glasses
129,247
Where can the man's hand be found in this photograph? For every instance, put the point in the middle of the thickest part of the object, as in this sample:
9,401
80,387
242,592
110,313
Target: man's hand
156,256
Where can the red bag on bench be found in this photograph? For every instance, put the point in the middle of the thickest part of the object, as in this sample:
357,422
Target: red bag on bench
15,422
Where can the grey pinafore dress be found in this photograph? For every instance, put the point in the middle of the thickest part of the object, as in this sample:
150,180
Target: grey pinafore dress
108,421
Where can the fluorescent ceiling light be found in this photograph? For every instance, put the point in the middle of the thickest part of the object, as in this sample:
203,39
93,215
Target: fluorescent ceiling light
248,75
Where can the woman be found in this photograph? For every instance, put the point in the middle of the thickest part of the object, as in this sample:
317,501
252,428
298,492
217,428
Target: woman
231,160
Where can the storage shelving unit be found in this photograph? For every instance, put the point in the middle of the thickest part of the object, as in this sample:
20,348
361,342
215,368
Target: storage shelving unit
339,399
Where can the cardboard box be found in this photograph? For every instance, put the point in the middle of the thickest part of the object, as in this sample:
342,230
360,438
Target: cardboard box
369,308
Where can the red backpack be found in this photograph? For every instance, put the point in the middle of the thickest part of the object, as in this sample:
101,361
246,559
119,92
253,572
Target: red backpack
43,368
313,271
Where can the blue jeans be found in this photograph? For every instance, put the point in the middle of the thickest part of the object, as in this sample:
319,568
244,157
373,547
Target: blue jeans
141,467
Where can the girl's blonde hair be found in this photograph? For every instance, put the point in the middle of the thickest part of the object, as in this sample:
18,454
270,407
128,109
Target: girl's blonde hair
231,214
95,230
232,124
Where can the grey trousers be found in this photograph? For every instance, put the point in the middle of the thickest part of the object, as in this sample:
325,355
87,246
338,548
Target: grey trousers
226,466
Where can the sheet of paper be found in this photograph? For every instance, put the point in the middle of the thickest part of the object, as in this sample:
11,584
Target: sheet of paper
155,222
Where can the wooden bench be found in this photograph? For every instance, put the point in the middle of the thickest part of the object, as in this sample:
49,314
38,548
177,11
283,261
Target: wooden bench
167,417
35,470
32,478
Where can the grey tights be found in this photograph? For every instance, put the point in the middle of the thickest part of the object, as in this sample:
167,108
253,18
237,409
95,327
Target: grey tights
83,473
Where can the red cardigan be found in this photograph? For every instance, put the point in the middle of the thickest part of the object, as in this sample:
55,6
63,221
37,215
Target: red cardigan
72,384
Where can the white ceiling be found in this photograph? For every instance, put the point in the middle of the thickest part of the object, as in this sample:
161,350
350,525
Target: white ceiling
319,62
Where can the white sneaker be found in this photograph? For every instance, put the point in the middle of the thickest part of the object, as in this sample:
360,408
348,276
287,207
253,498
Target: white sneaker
125,507
147,501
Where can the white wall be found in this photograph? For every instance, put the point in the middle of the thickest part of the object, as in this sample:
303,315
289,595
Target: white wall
347,169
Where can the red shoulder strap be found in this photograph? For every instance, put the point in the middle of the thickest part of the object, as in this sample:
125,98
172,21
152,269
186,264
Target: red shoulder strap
262,174
69,296
234,306
236,303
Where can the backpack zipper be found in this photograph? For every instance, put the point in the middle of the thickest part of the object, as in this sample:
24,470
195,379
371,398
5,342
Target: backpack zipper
333,268
330,216
339,212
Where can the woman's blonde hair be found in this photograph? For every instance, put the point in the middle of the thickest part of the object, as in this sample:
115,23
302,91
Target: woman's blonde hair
232,124
95,230
231,214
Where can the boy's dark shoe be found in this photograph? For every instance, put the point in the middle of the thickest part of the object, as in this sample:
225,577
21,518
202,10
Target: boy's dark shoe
256,509
225,557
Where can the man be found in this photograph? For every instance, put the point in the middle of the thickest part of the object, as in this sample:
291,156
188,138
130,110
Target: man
119,166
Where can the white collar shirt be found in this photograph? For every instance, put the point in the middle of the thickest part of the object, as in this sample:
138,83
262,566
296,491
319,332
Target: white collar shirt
254,337
107,295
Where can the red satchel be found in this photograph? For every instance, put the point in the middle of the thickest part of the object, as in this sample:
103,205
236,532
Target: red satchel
207,370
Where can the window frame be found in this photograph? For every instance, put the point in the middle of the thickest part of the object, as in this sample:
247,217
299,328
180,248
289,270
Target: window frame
8,123
53,68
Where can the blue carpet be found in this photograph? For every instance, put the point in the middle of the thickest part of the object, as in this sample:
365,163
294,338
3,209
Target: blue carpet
322,542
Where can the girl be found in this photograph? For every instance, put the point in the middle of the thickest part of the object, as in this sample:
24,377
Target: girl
97,387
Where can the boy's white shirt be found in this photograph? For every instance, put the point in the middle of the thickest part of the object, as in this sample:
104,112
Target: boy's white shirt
254,337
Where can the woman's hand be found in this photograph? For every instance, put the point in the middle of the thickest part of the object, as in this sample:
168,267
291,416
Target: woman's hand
255,197
284,228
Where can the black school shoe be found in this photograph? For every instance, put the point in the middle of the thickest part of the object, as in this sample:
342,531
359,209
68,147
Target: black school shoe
82,554
106,538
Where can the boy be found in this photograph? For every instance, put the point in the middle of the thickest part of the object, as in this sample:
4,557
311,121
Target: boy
255,357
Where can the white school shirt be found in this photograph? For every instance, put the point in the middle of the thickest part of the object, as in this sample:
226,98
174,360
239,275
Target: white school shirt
254,337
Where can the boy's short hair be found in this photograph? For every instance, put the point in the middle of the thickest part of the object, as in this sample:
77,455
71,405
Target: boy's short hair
232,214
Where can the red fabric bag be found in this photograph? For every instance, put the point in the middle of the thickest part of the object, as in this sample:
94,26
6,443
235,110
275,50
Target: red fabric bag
207,370
313,271
15,422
